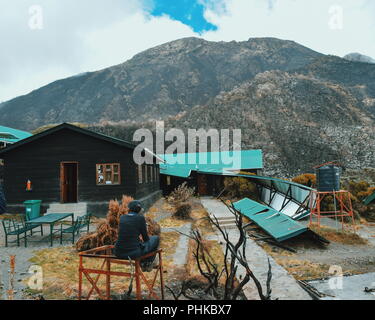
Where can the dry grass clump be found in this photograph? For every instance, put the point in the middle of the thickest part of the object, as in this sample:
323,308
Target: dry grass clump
168,242
214,253
202,222
183,211
343,237
107,230
171,222
305,270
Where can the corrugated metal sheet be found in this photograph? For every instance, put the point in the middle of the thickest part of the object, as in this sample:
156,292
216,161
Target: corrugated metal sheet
276,224
285,196
182,164
12,135
369,199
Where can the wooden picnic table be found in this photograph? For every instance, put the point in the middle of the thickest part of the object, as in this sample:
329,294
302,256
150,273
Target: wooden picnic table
51,219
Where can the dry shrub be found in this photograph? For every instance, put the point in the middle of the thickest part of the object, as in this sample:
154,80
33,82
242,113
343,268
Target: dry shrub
87,242
153,228
183,211
107,230
124,204
359,191
181,194
240,187
306,179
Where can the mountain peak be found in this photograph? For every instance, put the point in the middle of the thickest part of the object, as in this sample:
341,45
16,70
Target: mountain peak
358,57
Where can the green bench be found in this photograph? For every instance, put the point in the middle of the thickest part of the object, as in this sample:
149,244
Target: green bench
76,227
16,227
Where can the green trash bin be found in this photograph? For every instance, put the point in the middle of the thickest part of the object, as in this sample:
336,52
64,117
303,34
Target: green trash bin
32,209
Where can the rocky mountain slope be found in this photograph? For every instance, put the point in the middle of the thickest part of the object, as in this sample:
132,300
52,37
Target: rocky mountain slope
157,83
359,58
298,122
301,107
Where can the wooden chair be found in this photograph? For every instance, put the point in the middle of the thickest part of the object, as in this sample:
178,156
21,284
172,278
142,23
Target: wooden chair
105,254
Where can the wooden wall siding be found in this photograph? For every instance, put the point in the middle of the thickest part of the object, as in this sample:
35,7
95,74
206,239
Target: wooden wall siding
40,161
152,185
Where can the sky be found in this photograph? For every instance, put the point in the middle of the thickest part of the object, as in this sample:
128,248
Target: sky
46,40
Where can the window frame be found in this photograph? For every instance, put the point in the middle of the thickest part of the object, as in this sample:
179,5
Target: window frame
104,165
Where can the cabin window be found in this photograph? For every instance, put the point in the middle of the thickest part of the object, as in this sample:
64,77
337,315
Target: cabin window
108,174
168,180
140,174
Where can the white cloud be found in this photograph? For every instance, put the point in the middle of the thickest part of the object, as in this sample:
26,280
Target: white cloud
77,36
87,35
303,21
123,39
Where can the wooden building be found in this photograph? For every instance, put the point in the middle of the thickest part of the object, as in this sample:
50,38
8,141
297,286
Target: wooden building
68,164
204,171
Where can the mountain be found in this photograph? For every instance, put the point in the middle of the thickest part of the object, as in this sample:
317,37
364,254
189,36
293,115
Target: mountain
156,83
301,107
357,57
298,121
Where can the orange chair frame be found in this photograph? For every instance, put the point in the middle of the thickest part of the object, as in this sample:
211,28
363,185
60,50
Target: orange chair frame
105,254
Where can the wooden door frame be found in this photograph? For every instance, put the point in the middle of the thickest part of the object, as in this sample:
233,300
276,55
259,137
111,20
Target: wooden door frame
201,177
62,165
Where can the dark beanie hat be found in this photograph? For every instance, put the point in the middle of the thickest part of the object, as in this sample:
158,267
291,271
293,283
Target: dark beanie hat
135,206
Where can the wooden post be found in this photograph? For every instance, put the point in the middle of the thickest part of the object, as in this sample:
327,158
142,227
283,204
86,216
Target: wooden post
138,280
161,275
80,279
108,280
12,262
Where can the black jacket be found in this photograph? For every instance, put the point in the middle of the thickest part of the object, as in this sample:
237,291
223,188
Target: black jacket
2,201
132,225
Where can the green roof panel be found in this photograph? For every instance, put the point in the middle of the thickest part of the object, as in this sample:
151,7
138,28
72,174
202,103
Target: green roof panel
215,162
10,135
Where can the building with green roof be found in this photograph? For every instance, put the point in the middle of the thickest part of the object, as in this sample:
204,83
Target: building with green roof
10,136
195,168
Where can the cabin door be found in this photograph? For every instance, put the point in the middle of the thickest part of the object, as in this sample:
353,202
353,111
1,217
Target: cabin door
202,184
69,182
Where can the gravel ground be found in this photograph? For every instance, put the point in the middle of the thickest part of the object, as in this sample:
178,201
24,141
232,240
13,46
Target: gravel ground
23,255
359,258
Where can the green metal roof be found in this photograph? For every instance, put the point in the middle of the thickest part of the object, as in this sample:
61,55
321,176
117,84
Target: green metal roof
182,164
10,135
369,199
276,224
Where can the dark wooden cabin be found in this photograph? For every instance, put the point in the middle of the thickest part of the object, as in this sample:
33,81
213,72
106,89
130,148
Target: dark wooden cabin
68,164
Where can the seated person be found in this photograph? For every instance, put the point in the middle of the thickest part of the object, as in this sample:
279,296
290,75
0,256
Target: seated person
128,245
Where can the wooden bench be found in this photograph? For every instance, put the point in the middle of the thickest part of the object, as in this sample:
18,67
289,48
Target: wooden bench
105,254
